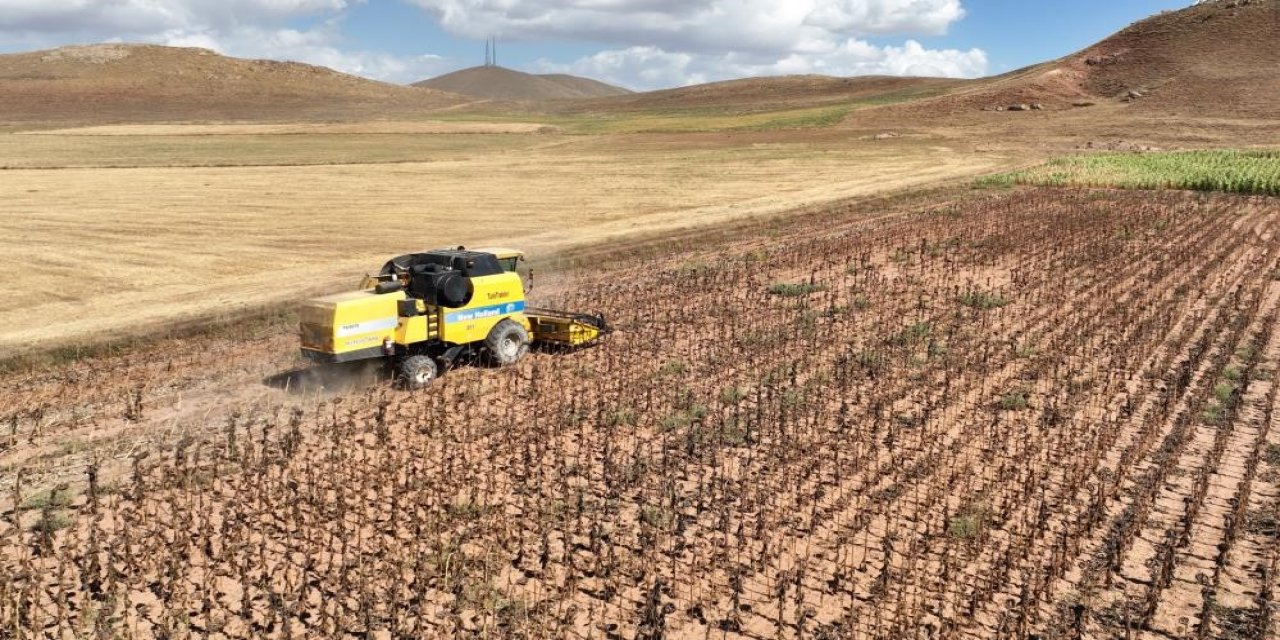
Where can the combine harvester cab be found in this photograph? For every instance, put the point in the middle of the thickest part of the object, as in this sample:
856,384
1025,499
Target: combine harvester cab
424,311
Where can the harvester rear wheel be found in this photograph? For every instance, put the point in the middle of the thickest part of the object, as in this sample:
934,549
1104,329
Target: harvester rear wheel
418,372
507,343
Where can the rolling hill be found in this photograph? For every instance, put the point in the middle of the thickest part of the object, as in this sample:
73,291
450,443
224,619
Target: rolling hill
1216,58
500,83
147,83
774,93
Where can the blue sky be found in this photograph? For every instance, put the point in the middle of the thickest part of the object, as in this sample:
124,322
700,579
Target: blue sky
642,44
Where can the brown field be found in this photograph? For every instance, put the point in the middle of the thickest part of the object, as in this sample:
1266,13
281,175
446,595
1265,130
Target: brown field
1001,414
300,128
101,236
852,393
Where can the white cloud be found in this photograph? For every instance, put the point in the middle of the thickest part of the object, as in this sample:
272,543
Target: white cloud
651,68
762,25
660,43
931,17
242,28
150,16
645,43
319,46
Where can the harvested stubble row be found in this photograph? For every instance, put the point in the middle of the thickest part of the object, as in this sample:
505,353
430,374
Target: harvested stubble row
866,454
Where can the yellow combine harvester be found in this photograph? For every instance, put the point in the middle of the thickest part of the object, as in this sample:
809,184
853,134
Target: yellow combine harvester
426,310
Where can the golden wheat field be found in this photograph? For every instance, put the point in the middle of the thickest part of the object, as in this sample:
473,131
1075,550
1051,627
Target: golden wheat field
129,231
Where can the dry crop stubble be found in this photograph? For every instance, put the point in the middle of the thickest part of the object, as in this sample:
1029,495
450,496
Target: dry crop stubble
95,251
796,435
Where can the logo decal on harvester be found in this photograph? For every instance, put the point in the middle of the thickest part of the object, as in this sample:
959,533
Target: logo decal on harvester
355,329
480,313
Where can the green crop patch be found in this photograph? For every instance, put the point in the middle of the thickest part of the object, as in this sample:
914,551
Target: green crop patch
1252,172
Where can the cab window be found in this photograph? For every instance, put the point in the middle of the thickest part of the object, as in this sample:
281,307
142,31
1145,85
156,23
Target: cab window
508,264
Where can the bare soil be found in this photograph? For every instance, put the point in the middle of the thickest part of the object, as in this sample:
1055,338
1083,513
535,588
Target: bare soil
993,414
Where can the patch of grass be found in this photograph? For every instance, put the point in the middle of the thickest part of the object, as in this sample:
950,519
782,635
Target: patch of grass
466,509
1273,455
682,418
1247,353
1232,373
1225,392
1213,414
1254,172
733,434
673,368
657,517
760,338
871,360
1015,400
696,119
983,300
46,498
55,521
622,416
732,395
795,290
804,119
912,335
969,523
793,398
675,421
937,349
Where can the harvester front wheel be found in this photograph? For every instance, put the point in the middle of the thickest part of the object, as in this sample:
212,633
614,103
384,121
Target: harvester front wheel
418,372
507,343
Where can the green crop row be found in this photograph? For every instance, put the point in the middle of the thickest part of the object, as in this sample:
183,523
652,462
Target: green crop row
1255,172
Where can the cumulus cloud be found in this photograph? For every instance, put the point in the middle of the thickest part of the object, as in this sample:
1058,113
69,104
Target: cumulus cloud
653,68
644,43
746,23
659,43
243,28
319,45
151,16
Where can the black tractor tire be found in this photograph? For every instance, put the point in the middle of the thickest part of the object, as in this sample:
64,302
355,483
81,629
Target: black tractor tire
507,343
417,372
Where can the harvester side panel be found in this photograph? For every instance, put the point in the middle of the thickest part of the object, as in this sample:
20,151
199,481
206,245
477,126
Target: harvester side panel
418,329
493,299
339,326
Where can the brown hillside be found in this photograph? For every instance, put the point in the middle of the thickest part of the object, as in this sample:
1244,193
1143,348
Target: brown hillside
146,83
1219,58
763,94
500,83
1215,56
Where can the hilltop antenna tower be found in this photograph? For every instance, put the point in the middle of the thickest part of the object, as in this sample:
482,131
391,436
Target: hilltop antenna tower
491,52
